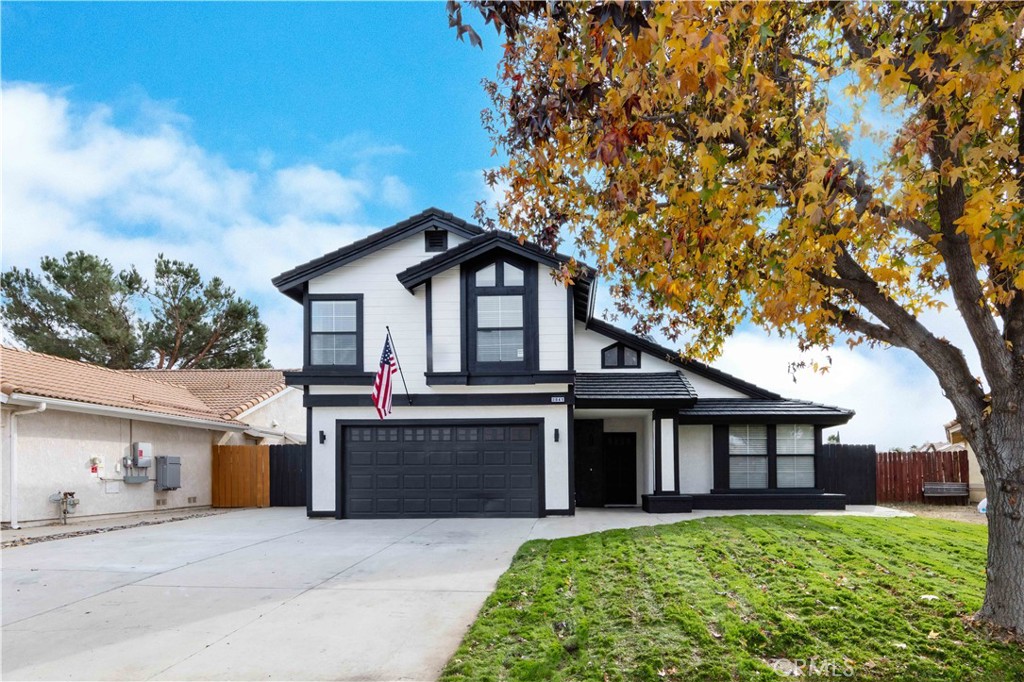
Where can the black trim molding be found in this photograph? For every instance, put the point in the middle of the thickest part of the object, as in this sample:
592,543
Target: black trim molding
442,400
497,379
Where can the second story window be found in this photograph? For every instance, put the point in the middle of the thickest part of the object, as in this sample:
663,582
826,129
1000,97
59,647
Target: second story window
334,332
498,317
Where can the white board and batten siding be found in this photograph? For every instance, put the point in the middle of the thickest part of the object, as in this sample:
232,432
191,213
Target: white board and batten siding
446,328
553,322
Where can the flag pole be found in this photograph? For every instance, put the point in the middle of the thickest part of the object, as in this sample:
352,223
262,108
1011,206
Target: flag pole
397,362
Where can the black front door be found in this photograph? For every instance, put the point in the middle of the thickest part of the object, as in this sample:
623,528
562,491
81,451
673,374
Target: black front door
589,462
620,468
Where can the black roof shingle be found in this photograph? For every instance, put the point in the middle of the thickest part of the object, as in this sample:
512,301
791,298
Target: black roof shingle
780,411
644,389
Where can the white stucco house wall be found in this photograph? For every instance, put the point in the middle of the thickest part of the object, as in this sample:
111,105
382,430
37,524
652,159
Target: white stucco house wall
69,426
519,401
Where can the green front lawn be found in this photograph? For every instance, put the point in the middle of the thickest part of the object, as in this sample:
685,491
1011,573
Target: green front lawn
726,598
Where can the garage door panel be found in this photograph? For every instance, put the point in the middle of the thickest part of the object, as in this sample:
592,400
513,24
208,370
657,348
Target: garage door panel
467,457
414,481
361,481
414,458
442,458
442,506
360,458
495,482
520,482
521,458
441,470
464,481
416,505
442,481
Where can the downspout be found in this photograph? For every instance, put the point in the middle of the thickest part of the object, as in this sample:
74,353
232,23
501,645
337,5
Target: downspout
14,460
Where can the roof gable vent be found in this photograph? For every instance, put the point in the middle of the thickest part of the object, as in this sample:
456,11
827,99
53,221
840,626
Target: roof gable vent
435,240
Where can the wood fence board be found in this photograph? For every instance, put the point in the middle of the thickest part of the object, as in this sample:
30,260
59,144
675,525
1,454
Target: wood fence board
241,476
901,475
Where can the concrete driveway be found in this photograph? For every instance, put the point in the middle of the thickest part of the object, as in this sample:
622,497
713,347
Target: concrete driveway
263,594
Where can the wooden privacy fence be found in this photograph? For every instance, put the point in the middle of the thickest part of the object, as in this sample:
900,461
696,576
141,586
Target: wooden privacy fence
287,475
901,475
850,470
241,475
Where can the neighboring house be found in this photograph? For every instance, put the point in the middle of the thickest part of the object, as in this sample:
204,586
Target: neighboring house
520,401
69,427
957,440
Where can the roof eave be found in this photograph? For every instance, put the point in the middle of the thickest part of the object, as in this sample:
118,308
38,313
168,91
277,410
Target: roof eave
418,274
288,282
125,413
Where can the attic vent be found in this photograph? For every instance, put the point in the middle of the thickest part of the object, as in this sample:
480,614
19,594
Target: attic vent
435,240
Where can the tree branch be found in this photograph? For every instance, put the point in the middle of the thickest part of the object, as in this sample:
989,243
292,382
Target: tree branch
851,321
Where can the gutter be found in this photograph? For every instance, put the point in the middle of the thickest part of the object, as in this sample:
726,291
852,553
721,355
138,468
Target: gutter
128,413
40,407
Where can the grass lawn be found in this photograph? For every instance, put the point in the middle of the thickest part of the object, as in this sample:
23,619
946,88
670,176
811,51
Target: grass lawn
727,598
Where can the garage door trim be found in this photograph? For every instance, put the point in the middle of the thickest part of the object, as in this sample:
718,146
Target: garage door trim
342,424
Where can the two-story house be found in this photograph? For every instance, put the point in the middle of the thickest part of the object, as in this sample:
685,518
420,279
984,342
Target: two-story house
520,402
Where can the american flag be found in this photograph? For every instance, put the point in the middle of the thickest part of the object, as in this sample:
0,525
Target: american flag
382,385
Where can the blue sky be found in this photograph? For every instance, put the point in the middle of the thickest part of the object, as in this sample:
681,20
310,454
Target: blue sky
333,84
247,138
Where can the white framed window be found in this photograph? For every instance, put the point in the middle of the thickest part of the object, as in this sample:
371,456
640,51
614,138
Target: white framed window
748,456
794,462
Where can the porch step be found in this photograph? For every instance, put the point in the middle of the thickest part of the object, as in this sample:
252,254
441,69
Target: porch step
672,504
667,504
832,501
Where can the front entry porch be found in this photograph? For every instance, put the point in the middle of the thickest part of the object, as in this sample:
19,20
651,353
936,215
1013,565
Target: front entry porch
647,458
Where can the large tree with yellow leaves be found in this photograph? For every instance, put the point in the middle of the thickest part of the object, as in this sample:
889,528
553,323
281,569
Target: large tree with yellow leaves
703,154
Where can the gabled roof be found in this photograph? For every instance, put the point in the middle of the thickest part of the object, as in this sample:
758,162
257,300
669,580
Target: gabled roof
497,240
646,389
46,376
669,355
291,281
743,410
227,392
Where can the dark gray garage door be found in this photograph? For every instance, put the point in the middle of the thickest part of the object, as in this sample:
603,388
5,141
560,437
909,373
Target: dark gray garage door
429,470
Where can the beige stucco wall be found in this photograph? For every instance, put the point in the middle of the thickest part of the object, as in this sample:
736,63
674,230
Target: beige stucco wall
54,452
285,409
977,483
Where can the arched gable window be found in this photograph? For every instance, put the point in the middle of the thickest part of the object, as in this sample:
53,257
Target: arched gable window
501,320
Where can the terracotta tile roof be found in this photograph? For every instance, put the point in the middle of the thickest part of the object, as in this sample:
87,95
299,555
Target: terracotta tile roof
227,392
219,398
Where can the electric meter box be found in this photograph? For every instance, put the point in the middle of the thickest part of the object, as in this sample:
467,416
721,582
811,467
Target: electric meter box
142,455
168,473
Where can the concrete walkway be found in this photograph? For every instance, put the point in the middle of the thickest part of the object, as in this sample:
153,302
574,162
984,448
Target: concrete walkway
267,594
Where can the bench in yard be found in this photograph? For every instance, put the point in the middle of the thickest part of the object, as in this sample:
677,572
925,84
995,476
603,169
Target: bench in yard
937,489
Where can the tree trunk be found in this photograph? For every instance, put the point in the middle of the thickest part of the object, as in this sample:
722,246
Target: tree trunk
1000,450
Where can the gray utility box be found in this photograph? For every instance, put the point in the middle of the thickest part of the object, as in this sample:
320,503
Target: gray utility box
168,473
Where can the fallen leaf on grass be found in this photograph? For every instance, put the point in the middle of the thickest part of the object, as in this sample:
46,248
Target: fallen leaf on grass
933,635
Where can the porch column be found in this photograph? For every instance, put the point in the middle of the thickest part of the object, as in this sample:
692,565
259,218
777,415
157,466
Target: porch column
666,454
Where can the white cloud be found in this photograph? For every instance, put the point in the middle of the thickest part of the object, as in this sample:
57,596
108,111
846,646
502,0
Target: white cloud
394,192
313,192
897,400
74,179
